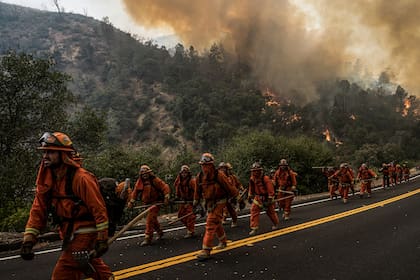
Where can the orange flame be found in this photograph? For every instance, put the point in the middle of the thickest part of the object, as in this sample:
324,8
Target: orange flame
407,105
327,135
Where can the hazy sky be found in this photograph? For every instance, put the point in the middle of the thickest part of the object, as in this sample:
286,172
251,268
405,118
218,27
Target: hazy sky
113,9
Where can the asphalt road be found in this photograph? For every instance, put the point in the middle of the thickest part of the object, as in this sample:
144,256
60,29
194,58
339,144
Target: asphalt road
370,238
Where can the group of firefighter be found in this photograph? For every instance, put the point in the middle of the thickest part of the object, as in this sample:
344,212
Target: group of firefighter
217,190
342,180
64,185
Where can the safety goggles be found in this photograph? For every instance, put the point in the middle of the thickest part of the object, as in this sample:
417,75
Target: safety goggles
205,159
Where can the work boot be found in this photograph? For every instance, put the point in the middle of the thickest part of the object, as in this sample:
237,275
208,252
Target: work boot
274,227
368,195
344,200
286,216
234,224
159,235
189,235
146,241
203,255
221,245
253,231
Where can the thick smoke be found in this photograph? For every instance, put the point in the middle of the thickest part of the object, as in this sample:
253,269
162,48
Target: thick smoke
291,50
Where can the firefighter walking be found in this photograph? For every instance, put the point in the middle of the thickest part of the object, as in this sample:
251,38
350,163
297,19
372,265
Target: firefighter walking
261,194
365,175
81,216
152,190
215,189
185,186
285,183
345,178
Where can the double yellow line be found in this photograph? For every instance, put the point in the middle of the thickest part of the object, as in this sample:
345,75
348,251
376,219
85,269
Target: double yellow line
136,270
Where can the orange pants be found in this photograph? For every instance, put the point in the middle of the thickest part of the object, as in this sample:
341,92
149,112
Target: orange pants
332,189
365,187
152,223
67,268
230,210
255,213
189,222
344,191
285,204
214,226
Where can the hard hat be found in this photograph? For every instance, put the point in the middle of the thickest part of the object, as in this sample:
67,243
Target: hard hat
206,158
364,165
256,166
222,164
145,169
283,162
185,168
229,166
343,165
56,141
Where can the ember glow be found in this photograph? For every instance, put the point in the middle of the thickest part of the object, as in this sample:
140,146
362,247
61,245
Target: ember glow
407,105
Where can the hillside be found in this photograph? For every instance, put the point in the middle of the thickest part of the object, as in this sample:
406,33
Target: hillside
111,70
204,100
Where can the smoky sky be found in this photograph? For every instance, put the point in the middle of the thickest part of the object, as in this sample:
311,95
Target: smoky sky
290,50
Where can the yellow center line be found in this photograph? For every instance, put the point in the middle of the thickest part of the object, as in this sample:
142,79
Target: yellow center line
136,270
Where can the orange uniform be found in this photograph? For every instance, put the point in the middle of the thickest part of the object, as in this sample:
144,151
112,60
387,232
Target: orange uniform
365,176
153,190
261,189
81,224
332,183
285,181
406,173
184,189
393,174
215,189
345,177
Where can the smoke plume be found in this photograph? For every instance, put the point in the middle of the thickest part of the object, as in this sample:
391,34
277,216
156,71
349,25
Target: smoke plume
291,45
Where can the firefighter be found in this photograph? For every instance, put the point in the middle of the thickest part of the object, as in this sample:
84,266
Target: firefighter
406,173
385,175
185,186
230,207
233,179
332,183
153,190
392,174
285,182
81,216
365,175
262,195
345,178
215,189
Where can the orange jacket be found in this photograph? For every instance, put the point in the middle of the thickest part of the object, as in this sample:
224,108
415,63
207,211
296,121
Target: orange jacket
284,178
260,186
344,175
49,191
184,189
151,190
213,189
233,180
365,174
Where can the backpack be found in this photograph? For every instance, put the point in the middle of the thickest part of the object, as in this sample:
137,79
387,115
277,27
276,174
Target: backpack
114,204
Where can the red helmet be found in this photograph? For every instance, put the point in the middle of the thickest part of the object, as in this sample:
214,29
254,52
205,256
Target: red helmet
56,141
206,158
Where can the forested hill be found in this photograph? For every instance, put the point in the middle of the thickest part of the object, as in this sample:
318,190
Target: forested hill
203,100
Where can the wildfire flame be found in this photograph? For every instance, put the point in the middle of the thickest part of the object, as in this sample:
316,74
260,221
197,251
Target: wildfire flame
407,105
327,135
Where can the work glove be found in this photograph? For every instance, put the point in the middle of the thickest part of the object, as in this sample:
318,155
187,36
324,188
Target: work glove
131,204
166,200
26,251
101,247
